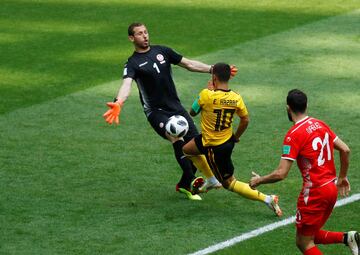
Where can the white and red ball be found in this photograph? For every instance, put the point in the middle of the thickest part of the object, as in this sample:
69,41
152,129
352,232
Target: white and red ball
177,126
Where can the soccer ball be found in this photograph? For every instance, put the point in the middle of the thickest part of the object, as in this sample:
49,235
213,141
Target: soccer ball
177,126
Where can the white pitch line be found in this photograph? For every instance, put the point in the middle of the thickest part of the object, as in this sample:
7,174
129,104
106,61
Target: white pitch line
264,229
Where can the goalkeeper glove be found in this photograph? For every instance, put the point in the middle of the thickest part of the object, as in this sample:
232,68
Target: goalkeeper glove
113,113
233,71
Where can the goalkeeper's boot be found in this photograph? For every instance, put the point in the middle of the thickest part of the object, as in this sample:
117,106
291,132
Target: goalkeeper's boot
353,241
197,183
209,186
188,193
274,205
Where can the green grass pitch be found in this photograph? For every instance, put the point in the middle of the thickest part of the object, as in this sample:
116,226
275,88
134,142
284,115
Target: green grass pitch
71,184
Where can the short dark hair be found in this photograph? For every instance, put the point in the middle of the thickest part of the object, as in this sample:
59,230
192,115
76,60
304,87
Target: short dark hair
132,26
222,71
297,101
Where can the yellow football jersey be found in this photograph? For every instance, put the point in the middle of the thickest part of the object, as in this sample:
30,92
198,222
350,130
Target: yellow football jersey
217,111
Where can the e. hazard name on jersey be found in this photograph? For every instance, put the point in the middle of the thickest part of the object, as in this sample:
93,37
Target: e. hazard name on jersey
227,102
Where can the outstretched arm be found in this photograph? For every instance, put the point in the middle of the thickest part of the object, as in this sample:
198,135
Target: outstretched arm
197,66
124,90
112,115
194,65
277,175
342,182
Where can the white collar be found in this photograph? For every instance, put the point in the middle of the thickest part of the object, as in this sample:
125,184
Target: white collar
301,120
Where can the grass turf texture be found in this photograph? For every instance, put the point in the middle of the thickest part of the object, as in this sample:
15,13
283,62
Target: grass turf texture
72,185
53,48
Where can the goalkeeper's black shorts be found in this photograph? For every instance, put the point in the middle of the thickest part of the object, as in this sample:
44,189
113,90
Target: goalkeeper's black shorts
158,118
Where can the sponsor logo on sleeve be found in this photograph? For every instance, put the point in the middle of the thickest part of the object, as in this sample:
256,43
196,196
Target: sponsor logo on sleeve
125,71
286,149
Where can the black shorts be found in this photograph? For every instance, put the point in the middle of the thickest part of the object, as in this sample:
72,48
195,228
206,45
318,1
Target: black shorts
218,157
158,119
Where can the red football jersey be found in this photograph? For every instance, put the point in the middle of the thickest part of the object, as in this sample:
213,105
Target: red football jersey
311,143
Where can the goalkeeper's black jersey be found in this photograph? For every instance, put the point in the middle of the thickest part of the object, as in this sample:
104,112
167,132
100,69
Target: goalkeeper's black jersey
152,72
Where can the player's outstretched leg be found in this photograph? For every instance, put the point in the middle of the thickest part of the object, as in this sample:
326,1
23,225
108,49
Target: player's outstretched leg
351,239
244,190
274,205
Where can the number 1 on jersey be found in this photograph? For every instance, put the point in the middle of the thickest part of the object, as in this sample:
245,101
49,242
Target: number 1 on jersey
156,67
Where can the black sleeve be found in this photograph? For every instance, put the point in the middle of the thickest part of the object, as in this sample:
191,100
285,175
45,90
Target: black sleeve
173,56
129,71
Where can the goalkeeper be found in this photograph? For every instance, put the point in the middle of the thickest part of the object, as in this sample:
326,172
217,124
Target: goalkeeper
217,105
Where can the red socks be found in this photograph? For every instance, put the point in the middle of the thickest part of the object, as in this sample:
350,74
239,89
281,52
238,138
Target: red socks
313,251
328,237
325,237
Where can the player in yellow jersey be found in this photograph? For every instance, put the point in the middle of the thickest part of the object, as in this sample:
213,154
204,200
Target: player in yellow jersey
218,107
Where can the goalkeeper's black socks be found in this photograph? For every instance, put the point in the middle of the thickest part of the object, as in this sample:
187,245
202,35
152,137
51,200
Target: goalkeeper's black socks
185,165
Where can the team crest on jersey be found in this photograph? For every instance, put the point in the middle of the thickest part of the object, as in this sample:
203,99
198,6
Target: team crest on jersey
160,58
288,139
286,149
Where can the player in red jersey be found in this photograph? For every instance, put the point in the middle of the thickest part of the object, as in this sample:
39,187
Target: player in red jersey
311,143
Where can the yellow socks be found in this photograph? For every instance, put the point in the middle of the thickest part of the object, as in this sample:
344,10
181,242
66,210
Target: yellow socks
201,164
244,190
